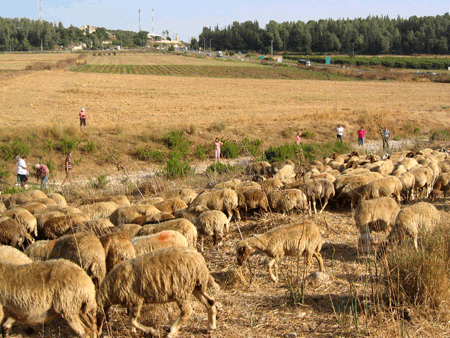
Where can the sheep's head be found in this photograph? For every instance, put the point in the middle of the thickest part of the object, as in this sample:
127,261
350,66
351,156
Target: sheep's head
243,250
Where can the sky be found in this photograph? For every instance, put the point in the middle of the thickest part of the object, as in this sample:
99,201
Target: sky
187,19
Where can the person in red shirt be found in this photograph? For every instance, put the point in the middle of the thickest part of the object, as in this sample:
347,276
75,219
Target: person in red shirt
82,118
42,173
361,136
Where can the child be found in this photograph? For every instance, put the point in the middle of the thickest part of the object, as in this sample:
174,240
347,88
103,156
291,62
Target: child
217,145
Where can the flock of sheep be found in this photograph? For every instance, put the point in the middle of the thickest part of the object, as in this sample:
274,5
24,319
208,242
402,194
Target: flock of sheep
77,262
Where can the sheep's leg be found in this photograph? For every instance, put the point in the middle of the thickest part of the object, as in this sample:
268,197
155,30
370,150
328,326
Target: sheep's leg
76,325
210,306
324,205
201,249
271,264
319,260
135,311
314,204
6,324
186,310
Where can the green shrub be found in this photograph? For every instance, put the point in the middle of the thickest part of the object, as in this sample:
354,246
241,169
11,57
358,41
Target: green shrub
67,144
12,190
200,152
51,166
90,146
4,172
230,149
100,182
396,138
217,126
176,166
287,132
221,168
176,140
252,146
10,150
440,135
283,152
309,134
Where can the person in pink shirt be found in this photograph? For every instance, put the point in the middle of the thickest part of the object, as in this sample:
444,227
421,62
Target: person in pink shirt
42,173
82,118
361,136
217,145
298,139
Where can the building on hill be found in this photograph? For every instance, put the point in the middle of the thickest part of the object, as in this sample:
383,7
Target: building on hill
88,29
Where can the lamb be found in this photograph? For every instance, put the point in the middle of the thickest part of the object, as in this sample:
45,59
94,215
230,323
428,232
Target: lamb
191,213
160,240
375,215
162,276
288,200
317,189
442,184
413,221
171,205
14,234
286,240
212,223
186,228
11,255
58,226
84,249
156,218
253,199
118,249
25,218
184,194
386,186
36,292
98,210
223,200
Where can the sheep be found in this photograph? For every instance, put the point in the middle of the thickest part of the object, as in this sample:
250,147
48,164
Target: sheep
84,249
171,205
223,200
162,276
285,240
46,200
277,166
191,213
271,184
375,215
408,181
118,249
36,292
151,200
288,200
119,200
184,194
25,218
253,199
424,180
212,223
43,217
386,186
58,226
186,228
127,214
130,230
34,207
285,173
11,255
160,240
409,163
232,184
317,189
442,184
258,168
411,222
2,207
58,198
247,185
99,227
23,197
14,234
98,209
157,218
40,250
384,167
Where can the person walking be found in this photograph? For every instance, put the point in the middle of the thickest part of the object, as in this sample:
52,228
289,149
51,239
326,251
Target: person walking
339,132
82,118
298,139
42,173
22,171
361,136
68,168
217,145
385,136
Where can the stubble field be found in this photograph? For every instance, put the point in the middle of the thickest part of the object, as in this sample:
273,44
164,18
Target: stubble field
123,110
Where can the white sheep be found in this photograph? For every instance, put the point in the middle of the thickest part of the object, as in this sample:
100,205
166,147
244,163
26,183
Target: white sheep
98,209
127,214
171,205
183,226
160,240
286,240
212,223
11,255
36,292
317,189
270,185
187,195
223,200
156,218
162,276
387,186
288,200
286,172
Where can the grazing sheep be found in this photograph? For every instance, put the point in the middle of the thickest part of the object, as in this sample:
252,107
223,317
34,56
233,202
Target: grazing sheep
424,180
191,213
408,181
286,172
162,276
127,214
223,200
99,227
160,240
288,200
14,234
98,209
11,255
232,184
58,226
24,197
43,217
170,205
130,230
186,228
286,240
317,189
58,198
40,250
270,185
413,221
184,194
386,186
258,168
2,207
118,249
442,184
34,207
47,201
277,166
156,218
151,200
119,200
25,218
375,215
212,223
247,185
253,199
36,292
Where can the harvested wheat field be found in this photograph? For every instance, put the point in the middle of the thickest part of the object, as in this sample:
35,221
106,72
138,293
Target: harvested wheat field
129,113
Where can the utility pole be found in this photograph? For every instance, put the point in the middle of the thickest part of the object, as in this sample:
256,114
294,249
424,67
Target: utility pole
210,45
204,44
139,11
271,47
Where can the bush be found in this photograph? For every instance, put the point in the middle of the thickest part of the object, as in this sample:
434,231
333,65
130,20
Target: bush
67,144
90,146
283,152
100,182
217,126
309,134
287,132
176,166
220,168
176,140
11,150
200,152
253,147
4,172
440,135
230,149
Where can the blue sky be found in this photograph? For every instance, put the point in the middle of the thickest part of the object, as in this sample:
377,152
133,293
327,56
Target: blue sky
187,18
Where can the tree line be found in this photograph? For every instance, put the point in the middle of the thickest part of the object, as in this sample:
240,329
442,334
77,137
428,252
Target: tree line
372,35
22,34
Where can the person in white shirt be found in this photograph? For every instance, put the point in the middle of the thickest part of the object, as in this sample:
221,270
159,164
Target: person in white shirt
339,132
22,171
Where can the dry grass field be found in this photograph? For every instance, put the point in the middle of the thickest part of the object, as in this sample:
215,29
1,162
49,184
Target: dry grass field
126,111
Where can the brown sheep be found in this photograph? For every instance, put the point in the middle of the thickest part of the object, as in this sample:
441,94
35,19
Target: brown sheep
156,218
162,276
288,200
25,218
118,249
286,240
58,226
317,189
98,209
387,186
253,199
191,213
14,234
222,200
184,194
270,185
160,240
258,168
442,184
171,205
127,214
